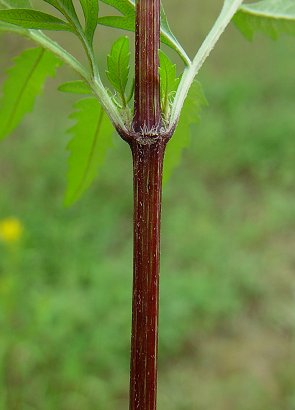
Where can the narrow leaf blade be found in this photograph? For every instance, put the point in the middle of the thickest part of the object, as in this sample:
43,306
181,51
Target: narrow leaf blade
125,7
33,19
24,82
123,23
118,66
66,7
88,148
90,10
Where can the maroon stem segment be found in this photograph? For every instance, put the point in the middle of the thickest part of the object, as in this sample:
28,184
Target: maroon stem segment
147,111
148,152
147,168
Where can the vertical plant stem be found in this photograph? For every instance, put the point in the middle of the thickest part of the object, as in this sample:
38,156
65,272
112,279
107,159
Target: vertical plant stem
147,167
148,148
147,111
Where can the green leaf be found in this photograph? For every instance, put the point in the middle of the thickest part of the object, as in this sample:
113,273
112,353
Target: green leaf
12,28
66,7
24,82
90,10
118,66
190,115
33,19
92,139
21,4
126,7
168,81
75,87
127,22
271,17
123,23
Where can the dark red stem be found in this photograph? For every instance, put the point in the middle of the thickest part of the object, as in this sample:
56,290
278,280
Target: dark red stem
147,111
147,167
148,146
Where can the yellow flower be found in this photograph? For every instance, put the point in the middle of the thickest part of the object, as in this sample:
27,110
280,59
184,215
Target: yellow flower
11,230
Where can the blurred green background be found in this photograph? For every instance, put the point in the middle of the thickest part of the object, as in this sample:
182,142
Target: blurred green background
227,336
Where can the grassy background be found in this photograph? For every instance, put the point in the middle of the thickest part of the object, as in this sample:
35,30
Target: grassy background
227,291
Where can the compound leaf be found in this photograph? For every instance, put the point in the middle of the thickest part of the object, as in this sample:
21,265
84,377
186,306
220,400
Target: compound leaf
271,17
24,82
92,139
190,115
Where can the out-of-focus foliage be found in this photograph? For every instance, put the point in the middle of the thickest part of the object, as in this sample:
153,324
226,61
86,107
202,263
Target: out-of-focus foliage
190,116
87,150
23,84
271,17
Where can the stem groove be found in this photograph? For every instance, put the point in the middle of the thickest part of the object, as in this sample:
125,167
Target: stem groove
147,110
147,173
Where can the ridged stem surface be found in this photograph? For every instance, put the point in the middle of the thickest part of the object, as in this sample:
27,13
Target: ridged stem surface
147,146
147,112
147,167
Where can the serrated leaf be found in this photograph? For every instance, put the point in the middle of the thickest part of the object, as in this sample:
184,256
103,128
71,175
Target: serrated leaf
118,66
92,139
75,87
90,10
190,115
24,82
66,7
33,19
271,17
127,22
168,81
